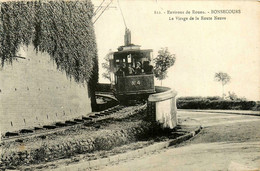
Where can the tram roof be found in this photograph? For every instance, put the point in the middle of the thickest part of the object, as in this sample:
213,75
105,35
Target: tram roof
133,50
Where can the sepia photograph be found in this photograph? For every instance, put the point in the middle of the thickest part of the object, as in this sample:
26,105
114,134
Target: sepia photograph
129,85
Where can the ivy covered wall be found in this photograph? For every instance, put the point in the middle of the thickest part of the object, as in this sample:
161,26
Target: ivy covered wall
63,29
61,34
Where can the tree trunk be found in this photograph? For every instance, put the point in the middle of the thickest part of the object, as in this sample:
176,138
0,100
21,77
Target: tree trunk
222,91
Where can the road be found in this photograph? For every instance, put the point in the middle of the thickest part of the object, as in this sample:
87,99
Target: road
227,142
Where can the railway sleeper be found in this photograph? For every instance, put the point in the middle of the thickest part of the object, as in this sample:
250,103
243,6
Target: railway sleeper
70,122
108,113
60,124
99,114
38,128
79,120
87,118
49,126
10,134
112,111
26,131
93,116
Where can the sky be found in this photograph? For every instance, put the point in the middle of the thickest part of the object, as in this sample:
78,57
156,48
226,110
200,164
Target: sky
202,47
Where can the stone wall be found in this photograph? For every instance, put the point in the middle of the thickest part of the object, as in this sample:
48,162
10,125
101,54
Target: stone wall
34,93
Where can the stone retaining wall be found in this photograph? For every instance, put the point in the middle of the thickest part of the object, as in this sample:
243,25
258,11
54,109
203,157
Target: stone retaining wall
34,93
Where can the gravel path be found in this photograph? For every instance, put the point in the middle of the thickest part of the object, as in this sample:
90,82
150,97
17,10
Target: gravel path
227,142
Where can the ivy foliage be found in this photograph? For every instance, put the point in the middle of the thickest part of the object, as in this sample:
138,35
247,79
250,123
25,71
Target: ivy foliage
63,29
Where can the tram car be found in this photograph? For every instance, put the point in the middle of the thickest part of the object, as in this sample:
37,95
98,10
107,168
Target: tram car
132,75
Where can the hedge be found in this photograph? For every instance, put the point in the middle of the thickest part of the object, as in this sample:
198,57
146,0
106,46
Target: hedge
200,98
216,104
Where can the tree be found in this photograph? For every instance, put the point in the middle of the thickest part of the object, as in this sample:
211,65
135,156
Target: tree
163,62
233,96
106,66
224,78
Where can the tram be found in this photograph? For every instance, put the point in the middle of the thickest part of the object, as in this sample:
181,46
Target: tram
132,75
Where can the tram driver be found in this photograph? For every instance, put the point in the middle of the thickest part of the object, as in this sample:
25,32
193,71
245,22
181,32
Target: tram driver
148,68
122,70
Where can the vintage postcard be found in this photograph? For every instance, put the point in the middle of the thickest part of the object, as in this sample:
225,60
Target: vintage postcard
129,85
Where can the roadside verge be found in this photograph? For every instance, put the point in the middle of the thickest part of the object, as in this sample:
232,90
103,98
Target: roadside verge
189,130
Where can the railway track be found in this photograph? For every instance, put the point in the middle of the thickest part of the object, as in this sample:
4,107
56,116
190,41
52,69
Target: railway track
90,120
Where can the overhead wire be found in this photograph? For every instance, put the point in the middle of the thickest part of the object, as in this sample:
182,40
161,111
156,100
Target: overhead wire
99,7
103,11
121,13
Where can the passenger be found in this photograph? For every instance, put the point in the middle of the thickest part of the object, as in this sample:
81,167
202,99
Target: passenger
131,70
138,68
148,69
122,70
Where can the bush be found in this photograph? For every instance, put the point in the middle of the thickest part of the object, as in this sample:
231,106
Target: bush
257,106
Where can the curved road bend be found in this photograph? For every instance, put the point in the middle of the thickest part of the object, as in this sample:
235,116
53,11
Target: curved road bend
227,142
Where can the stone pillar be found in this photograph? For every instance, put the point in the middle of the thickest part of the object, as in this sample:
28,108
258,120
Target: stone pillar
161,107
